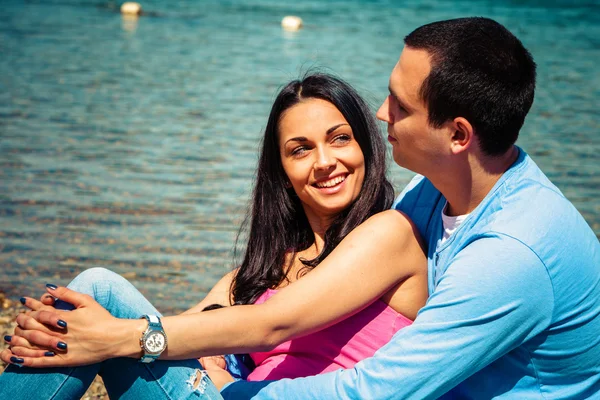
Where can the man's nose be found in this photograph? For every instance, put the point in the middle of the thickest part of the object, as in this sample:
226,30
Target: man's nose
384,111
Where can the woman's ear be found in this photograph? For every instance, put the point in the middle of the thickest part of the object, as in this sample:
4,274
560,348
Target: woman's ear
463,135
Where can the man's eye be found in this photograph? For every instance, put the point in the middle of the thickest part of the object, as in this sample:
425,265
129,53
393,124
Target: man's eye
396,103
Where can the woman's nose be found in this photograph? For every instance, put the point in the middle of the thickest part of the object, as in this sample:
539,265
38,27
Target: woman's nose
325,160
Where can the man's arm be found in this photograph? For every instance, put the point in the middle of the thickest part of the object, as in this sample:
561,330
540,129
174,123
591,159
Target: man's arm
494,296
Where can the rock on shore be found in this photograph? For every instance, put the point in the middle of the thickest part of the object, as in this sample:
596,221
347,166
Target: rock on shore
8,311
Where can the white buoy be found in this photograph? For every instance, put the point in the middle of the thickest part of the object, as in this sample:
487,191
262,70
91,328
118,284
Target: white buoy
291,23
131,8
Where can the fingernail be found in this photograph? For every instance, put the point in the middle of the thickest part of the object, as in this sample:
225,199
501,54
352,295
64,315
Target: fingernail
61,323
23,300
7,338
51,286
17,360
49,354
62,345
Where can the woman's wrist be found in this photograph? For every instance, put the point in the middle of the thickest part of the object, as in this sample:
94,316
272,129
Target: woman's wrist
126,337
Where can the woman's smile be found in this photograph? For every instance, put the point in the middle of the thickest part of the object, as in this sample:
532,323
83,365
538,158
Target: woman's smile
332,183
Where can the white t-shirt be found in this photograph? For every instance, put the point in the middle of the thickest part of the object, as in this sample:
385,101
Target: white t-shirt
451,223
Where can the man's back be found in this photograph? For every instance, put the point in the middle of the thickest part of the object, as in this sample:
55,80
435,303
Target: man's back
529,246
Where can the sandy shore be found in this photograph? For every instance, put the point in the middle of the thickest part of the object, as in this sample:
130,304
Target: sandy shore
9,308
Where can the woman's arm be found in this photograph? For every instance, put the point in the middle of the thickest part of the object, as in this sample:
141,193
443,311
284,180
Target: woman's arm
219,294
376,256
373,258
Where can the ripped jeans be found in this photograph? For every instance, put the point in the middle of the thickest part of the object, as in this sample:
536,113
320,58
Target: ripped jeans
124,378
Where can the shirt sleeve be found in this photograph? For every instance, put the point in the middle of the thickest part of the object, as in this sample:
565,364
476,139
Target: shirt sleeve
495,295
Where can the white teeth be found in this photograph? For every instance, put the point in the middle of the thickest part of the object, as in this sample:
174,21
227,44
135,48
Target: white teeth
331,183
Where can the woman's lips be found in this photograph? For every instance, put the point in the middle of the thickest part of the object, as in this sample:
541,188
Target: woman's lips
330,182
334,185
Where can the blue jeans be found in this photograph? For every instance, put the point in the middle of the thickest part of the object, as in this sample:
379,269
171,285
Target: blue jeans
124,378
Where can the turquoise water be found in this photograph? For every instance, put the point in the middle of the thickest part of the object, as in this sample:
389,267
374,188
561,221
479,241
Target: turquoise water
132,144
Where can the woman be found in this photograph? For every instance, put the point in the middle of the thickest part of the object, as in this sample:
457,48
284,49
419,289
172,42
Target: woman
321,180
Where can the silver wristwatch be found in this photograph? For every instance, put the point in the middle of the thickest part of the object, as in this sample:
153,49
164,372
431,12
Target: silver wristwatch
154,340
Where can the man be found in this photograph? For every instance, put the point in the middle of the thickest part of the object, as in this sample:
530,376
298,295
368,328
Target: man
514,270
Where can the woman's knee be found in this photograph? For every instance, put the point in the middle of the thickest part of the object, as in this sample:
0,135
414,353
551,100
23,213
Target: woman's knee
99,283
91,276
113,292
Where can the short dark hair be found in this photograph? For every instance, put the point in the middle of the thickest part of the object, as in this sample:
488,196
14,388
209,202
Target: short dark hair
277,222
479,71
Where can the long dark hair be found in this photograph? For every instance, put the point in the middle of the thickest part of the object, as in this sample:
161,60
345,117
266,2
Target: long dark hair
278,224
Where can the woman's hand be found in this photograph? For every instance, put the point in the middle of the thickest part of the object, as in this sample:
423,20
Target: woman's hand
215,367
214,362
85,335
24,347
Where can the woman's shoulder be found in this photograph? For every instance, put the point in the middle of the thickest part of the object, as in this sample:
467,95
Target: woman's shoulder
389,221
399,239
391,232
394,231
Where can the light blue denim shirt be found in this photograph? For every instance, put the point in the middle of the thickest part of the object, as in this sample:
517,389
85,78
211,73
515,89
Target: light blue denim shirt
513,312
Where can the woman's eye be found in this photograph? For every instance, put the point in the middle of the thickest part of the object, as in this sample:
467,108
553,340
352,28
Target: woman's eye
298,151
342,139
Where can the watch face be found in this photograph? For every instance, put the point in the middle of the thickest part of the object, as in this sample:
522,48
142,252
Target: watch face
155,342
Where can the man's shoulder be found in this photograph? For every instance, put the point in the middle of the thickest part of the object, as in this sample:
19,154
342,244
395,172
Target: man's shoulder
528,206
421,202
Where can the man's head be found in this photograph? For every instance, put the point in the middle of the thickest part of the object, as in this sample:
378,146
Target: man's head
457,82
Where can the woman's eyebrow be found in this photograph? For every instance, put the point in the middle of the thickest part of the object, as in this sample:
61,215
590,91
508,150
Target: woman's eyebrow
296,139
304,139
333,128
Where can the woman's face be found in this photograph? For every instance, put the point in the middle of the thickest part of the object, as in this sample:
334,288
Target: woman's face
321,158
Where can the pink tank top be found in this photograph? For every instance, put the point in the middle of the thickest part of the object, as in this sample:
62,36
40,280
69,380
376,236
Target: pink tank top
340,346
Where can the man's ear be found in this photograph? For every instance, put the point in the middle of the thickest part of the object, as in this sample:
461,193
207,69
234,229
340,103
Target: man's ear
463,135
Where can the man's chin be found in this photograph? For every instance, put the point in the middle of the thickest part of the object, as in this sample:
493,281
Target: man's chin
401,162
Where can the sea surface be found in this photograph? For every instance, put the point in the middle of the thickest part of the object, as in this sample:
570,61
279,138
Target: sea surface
131,144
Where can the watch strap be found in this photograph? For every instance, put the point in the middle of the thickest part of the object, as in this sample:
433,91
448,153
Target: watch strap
148,358
154,321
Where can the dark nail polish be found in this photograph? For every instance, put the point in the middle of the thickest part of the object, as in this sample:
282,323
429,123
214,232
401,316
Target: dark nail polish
51,286
49,354
62,345
61,323
7,338
17,360
23,300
